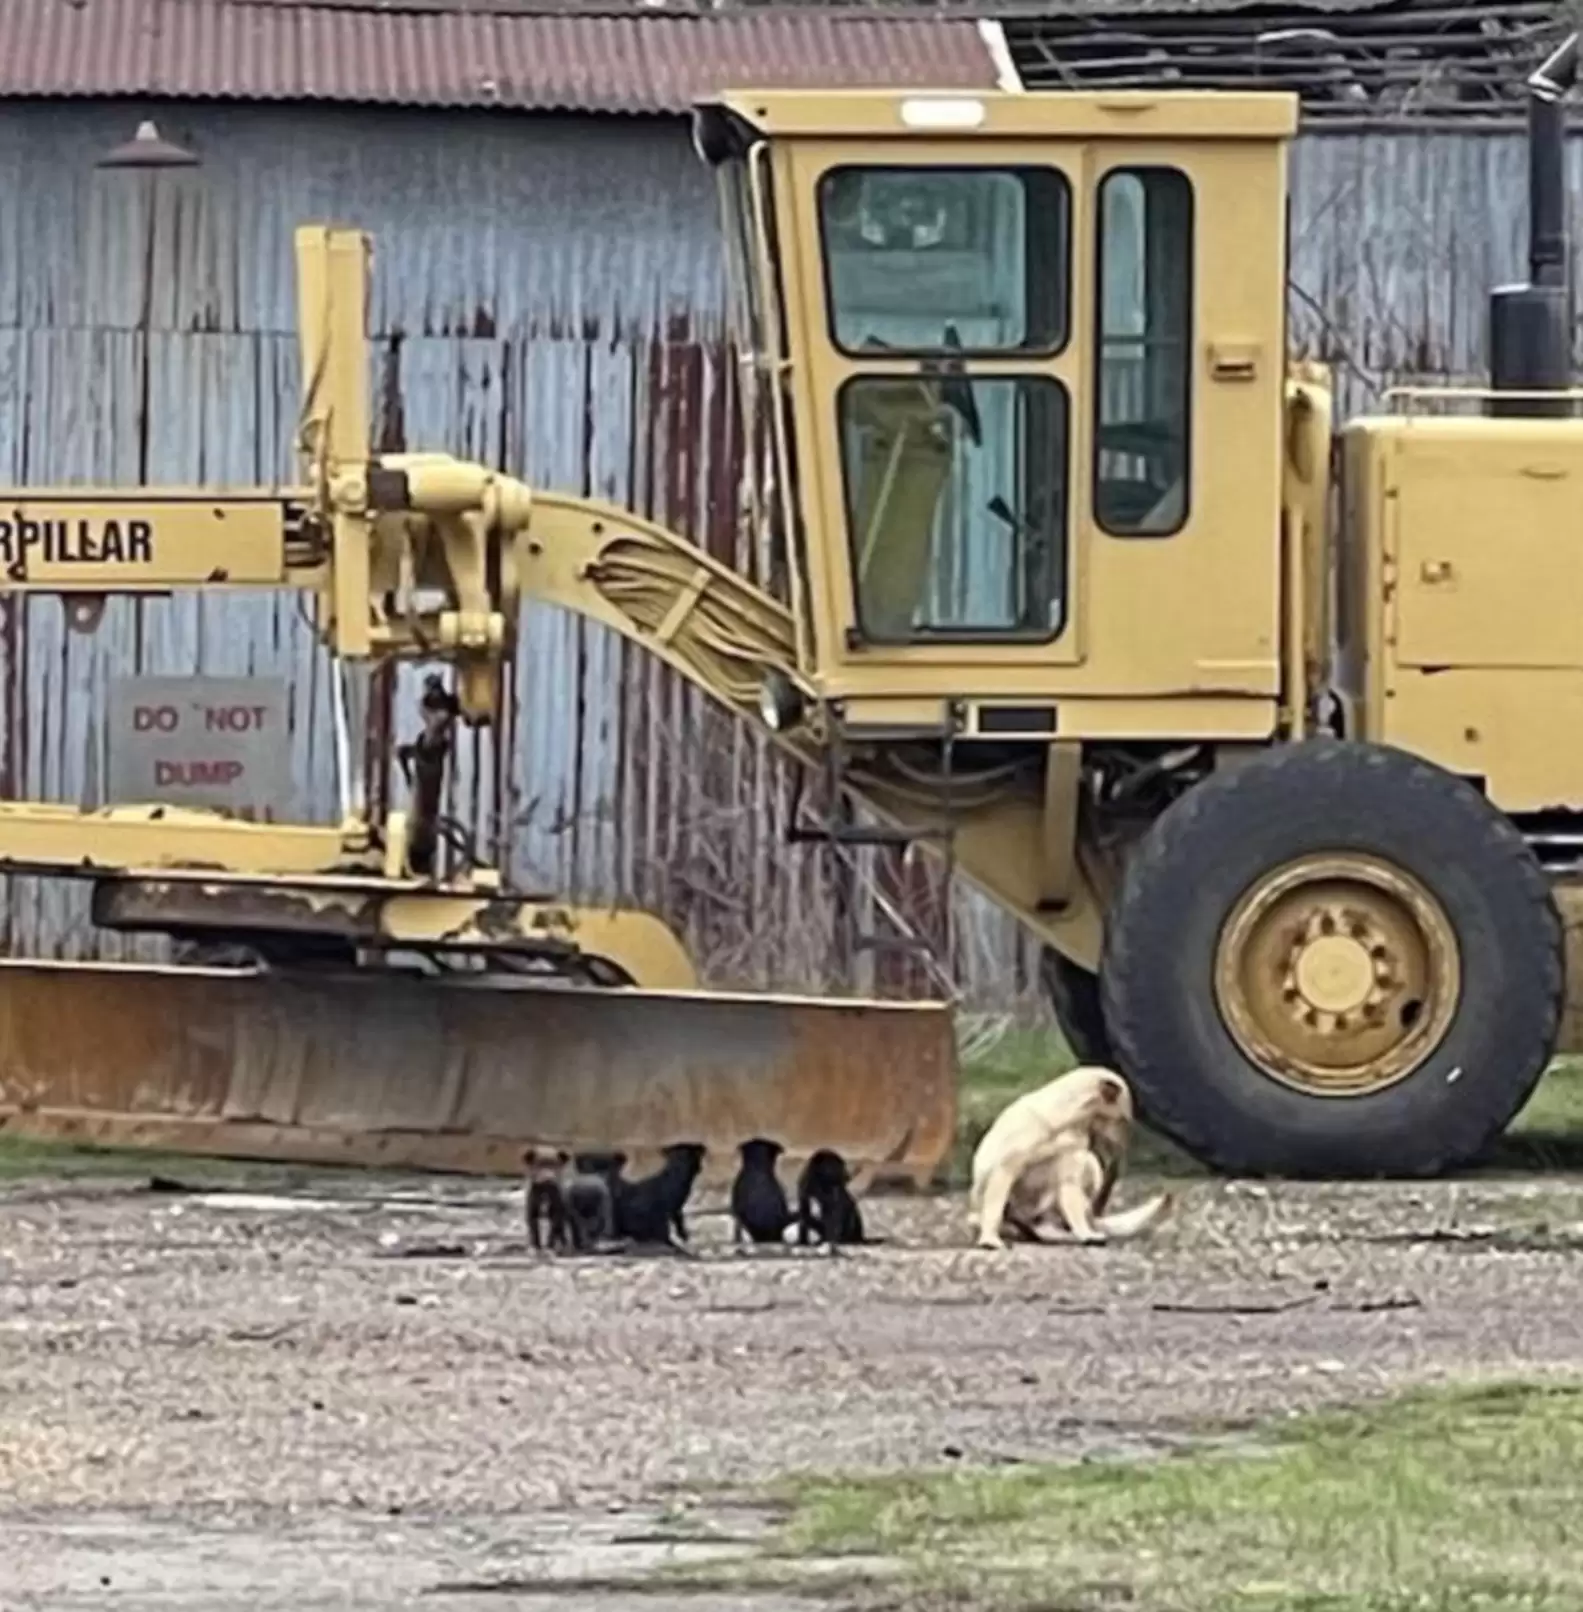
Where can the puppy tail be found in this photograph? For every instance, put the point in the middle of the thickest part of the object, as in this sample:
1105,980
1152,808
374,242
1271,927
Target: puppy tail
1135,1222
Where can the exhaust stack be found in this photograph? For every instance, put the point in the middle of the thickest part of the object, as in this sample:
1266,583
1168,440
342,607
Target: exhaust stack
1531,325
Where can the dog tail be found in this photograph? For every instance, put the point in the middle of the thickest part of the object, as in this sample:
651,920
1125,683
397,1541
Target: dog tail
1135,1222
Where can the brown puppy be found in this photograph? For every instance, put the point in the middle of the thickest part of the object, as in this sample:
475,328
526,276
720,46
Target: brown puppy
1048,1163
544,1200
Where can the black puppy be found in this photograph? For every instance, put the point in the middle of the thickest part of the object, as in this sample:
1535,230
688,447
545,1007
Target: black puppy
648,1210
758,1202
825,1205
590,1189
545,1201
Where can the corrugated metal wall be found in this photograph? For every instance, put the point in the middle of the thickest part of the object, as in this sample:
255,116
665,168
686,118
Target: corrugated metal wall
547,297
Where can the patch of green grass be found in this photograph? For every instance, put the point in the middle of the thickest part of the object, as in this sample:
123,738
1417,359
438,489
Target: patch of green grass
22,1157
26,1158
1460,1501
1012,1062
1548,1133
994,1071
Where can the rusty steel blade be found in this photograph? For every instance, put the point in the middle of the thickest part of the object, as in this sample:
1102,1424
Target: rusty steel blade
461,1074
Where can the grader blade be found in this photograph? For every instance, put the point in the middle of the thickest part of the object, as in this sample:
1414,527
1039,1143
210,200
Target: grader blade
377,1068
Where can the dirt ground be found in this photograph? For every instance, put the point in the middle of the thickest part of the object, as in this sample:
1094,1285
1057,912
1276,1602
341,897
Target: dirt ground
371,1395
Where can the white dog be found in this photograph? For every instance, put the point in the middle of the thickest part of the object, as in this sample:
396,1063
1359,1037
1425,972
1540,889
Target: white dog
1056,1152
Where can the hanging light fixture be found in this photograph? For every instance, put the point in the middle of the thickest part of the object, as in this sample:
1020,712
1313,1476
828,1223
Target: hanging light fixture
148,148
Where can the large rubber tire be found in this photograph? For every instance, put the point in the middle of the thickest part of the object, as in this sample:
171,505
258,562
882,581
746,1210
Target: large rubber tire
1327,797
1079,1012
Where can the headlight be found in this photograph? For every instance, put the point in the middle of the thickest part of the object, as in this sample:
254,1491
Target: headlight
780,702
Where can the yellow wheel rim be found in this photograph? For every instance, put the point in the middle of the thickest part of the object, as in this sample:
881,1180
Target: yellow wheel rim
1337,975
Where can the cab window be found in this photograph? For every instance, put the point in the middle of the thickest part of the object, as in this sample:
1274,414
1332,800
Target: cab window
956,505
926,260
1143,403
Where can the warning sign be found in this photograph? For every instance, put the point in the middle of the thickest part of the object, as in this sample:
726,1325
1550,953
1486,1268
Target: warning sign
200,741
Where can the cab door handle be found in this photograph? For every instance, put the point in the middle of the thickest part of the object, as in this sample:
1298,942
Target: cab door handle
1233,361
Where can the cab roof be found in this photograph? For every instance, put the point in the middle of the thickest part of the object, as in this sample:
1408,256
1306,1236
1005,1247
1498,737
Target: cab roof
1093,114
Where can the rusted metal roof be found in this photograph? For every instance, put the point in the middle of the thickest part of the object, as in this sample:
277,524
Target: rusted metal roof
634,60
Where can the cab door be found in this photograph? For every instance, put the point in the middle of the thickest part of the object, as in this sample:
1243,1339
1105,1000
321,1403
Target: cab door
1183,527
943,381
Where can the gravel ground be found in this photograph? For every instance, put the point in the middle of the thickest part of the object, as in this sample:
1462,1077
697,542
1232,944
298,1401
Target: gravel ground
218,1400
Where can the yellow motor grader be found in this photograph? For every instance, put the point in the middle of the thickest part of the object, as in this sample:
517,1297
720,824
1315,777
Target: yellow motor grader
1258,725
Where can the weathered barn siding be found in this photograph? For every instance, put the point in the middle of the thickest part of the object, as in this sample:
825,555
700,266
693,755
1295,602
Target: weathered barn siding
1399,238
547,297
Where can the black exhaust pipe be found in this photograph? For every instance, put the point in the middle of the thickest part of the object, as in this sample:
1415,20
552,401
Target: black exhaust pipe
1530,336
1547,225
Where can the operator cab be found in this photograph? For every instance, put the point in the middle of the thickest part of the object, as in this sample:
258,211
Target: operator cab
1022,359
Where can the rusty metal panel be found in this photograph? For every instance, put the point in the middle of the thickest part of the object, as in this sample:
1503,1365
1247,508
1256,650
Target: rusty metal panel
375,1070
509,227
